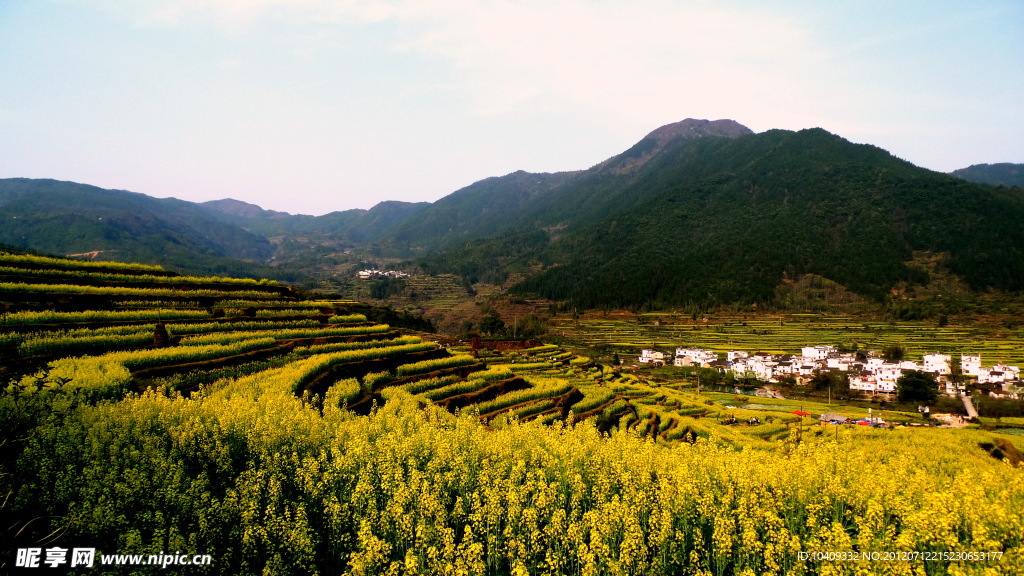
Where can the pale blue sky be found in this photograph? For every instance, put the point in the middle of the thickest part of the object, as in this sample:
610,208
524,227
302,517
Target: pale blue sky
311,106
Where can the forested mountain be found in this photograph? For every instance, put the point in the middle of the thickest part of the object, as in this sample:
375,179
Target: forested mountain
221,236
352,226
69,218
480,209
524,202
696,212
1004,174
723,221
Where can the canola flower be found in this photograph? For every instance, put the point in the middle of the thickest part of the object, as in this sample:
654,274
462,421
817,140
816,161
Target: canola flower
282,488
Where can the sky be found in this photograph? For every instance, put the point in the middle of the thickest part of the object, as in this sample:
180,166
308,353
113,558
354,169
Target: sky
313,106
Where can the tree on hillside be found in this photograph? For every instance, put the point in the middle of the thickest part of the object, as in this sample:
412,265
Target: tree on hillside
834,380
492,324
894,353
917,386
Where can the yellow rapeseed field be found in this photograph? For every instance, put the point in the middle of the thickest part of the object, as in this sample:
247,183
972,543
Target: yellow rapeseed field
276,486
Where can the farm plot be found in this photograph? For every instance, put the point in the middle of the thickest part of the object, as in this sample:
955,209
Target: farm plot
627,335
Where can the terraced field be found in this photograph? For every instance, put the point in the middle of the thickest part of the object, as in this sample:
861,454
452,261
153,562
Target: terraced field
146,328
187,333
146,412
627,334
435,292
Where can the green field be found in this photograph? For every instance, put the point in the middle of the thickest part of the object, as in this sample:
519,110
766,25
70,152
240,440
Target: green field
627,334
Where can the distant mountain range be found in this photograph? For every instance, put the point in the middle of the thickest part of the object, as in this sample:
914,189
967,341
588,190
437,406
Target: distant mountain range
1004,174
697,212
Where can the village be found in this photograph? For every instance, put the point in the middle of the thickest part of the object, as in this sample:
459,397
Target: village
374,273
868,372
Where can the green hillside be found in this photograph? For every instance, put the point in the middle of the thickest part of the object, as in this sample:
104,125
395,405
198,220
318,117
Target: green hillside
480,210
698,213
345,227
726,220
1003,174
69,218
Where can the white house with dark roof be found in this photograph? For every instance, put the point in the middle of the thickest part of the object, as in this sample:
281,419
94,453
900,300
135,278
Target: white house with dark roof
651,357
970,364
937,363
694,357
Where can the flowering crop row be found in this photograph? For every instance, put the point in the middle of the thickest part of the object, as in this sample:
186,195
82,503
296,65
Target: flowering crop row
433,365
542,389
177,304
493,373
455,389
306,369
16,259
14,287
275,312
436,389
284,303
110,374
342,346
242,325
580,361
375,380
427,384
592,398
16,339
529,366
52,317
343,392
542,348
53,345
288,334
531,409
347,319
85,274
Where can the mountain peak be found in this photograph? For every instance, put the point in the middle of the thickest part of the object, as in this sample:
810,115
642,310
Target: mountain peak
233,207
652,144
694,128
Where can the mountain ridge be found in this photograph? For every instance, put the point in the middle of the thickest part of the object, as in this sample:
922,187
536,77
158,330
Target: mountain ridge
1001,174
695,212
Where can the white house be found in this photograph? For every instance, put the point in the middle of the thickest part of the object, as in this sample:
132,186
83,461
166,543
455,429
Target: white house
817,353
1010,372
864,382
386,273
886,376
694,357
970,364
760,366
841,362
804,369
651,357
885,386
937,363
734,355
955,388
998,374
